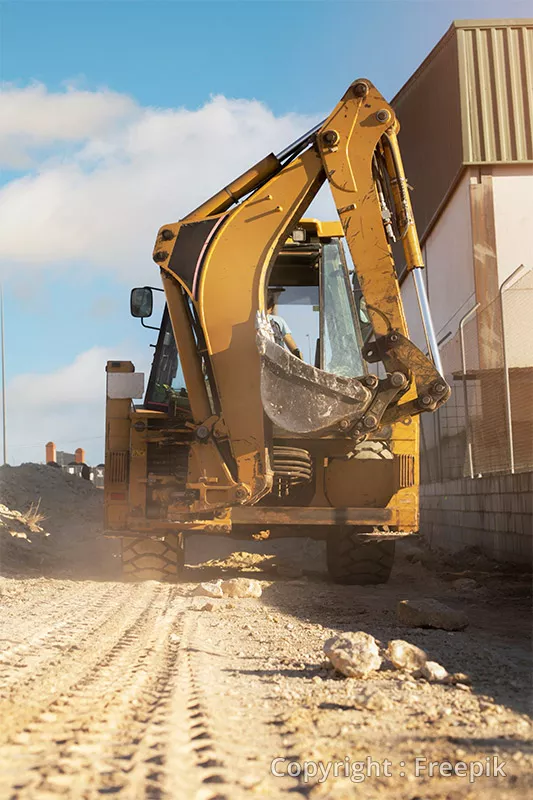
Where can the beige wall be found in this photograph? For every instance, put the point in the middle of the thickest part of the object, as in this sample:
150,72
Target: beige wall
448,253
513,214
517,313
450,278
449,261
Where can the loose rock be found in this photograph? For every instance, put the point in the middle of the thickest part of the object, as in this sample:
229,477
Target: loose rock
405,655
208,590
457,677
433,671
241,587
354,654
430,614
374,701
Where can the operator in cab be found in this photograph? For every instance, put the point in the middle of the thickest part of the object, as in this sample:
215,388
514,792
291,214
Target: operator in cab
282,332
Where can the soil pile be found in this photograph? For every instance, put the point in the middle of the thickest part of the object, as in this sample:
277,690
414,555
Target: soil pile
50,522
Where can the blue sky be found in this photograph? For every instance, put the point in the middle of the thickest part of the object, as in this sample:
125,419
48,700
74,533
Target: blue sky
295,56
149,65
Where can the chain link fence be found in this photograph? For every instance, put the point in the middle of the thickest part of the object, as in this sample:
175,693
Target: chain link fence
486,427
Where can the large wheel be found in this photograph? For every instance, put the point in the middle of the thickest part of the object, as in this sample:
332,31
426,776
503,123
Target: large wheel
153,559
356,562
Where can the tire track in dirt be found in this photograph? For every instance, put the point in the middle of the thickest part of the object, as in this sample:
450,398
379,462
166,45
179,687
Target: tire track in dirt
24,654
231,729
127,716
102,735
144,691
56,599
192,731
33,686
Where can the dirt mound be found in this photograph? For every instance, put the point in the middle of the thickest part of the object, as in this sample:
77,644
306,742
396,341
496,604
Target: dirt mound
50,522
20,487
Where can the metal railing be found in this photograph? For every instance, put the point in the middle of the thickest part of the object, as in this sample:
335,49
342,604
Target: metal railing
486,428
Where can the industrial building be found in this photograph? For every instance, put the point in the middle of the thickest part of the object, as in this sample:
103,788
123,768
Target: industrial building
466,119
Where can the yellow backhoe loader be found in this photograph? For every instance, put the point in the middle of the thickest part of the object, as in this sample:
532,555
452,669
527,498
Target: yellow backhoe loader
240,435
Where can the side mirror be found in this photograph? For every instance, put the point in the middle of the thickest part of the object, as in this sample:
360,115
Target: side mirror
141,302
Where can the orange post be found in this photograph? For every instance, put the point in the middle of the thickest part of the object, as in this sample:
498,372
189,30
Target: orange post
80,455
50,452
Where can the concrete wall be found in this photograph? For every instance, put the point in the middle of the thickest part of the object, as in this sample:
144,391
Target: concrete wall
513,217
493,513
517,303
449,269
448,251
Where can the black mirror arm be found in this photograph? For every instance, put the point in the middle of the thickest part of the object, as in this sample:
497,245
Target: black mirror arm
152,327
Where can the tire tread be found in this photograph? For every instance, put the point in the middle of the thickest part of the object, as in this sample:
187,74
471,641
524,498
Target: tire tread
152,559
352,561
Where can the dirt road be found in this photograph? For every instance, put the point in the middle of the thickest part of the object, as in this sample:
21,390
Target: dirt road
136,692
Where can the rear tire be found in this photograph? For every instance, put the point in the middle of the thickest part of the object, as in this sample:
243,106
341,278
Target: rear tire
153,559
356,562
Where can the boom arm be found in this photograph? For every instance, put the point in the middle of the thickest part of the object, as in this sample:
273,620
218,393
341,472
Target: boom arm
216,263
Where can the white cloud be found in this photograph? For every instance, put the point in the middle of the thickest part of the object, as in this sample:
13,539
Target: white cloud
100,203
66,406
100,175
33,118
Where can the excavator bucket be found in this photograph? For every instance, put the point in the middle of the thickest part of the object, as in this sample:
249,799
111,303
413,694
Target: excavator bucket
300,398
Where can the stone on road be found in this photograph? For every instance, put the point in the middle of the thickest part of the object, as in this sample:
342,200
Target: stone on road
213,589
241,587
356,655
429,613
433,671
405,655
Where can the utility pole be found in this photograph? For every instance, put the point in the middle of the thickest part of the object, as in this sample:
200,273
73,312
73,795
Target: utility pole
3,349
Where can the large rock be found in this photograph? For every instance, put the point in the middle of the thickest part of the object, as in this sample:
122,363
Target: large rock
354,654
405,655
241,587
430,614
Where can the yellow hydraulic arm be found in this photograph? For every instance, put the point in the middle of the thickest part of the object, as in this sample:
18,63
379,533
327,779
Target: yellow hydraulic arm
215,265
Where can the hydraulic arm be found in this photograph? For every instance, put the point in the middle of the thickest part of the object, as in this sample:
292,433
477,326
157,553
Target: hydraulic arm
216,264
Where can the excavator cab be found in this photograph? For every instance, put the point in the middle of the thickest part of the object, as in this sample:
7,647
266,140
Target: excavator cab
315,292
237,434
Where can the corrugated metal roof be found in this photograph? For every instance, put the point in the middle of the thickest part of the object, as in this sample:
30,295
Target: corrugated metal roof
470,102
496,85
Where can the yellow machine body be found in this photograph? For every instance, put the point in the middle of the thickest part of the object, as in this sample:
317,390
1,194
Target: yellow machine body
259,442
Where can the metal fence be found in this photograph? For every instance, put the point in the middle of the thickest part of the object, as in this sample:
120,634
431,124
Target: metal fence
486,428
